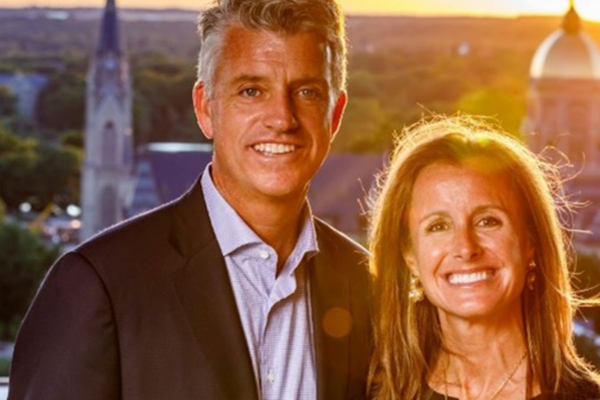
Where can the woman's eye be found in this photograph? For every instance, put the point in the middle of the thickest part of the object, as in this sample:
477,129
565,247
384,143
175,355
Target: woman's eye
437,227
489,222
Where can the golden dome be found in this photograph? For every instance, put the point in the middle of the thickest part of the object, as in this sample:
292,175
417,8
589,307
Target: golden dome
567,53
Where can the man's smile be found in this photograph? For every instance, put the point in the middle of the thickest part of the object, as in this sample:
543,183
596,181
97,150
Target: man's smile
274,148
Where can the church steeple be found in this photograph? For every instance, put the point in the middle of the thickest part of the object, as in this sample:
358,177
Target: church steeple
108,133
571,22
109,31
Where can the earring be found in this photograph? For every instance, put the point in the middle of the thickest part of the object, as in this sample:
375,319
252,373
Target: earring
415,293
531,276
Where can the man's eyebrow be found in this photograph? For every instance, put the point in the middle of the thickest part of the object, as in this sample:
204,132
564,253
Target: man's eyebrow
311,81
247,78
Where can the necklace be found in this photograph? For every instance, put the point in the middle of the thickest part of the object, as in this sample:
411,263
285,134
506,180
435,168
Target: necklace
500,388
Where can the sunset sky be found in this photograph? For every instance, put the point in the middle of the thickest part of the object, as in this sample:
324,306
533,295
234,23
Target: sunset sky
588,9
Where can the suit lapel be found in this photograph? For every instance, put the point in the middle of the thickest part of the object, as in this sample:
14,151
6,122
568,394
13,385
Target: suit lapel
206,296
329,288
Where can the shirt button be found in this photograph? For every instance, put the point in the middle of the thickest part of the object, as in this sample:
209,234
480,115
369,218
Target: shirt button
264,254
271,376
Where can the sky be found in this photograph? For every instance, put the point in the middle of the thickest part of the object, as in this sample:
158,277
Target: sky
588,9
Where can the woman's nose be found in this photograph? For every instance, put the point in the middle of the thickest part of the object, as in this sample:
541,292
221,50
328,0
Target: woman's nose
466,245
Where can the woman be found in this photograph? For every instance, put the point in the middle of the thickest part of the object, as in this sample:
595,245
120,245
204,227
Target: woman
472,291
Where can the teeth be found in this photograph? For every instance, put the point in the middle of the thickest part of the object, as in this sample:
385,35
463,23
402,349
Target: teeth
274,148
469,278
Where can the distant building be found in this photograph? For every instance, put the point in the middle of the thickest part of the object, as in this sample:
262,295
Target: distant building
338,193
564,113
26,88
564,95
164,171
108,132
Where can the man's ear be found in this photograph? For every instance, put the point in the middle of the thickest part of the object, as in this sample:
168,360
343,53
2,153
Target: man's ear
202,109
338,113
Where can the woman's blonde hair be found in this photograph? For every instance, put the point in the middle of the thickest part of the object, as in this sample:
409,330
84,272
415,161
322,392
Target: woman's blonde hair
407,335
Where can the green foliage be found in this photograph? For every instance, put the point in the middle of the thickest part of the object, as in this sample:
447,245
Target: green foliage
20,125
389,90
4,366
8,103
17,165
24,259
364,119
37,172
57,175
72,138
508,108
2,210
62,101
163,109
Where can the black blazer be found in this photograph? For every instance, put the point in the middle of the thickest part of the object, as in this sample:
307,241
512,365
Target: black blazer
145,311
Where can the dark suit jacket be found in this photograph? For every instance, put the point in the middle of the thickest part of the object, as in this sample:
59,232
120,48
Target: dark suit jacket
145,311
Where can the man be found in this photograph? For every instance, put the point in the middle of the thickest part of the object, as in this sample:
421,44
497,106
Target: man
233,291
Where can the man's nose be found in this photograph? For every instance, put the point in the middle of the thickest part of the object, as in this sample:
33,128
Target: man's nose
281,114
466,245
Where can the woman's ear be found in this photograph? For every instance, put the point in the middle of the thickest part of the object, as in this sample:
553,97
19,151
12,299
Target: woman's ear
530,255
411,262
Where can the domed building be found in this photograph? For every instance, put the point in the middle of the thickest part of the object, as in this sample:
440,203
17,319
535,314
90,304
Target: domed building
564,95
564,113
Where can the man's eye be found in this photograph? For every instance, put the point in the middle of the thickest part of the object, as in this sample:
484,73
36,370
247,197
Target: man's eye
489,222
308,93
250,92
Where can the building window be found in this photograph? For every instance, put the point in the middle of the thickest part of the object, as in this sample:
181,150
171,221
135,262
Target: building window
109,144
578,130
108,207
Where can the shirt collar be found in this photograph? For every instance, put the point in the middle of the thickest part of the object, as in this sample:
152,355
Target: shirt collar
232,232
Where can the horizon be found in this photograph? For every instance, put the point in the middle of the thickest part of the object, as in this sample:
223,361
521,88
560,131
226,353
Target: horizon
183,9
588,9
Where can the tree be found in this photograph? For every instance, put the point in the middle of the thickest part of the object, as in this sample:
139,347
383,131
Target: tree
18,158
62,101
361,128
508,108
72,138
162,105
2,210
37,173
57,175
8,102
24,259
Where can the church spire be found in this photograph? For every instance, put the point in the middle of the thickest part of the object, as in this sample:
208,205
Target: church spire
571,22
109,31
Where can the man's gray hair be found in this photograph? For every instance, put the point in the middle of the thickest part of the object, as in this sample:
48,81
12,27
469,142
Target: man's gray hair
279,16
